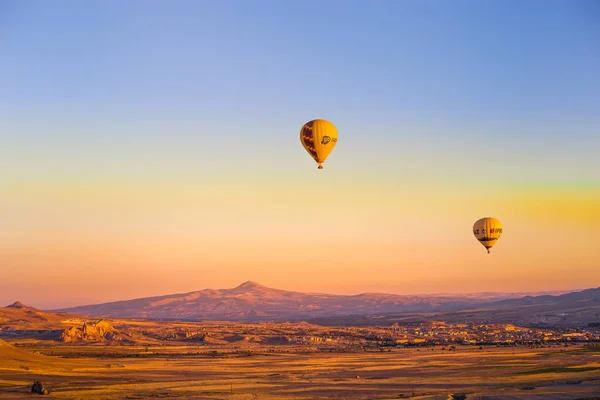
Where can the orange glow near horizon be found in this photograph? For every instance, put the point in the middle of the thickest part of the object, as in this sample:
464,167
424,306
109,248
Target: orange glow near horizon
97,243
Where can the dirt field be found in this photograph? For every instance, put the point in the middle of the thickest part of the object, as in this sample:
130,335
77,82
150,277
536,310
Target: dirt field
103,372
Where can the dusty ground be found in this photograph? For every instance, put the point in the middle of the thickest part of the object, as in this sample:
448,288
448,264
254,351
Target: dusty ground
494,373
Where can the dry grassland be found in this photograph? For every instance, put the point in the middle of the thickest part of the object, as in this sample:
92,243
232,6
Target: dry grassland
104,372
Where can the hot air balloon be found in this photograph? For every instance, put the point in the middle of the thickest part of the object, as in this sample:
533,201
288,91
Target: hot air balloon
487,231
318,137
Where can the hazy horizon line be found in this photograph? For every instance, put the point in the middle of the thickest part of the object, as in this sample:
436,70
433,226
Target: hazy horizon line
436,294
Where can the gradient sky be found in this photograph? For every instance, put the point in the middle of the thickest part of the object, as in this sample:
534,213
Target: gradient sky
152,147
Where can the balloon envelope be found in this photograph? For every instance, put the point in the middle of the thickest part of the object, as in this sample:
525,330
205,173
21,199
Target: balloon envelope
487,231
318,137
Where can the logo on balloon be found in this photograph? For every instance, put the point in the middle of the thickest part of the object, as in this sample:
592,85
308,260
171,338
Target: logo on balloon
325,140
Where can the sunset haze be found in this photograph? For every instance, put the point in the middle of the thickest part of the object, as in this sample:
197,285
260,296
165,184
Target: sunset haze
150,148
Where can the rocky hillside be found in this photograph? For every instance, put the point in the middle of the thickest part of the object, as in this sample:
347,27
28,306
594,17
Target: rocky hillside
19,320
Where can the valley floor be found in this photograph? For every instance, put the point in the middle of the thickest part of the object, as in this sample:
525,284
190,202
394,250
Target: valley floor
102,372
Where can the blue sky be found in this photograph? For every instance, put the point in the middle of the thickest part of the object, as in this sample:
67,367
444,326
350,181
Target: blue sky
219,58
94,73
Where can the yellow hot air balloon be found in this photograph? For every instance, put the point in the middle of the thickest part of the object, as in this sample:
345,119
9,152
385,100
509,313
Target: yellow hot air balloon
487,231
318,137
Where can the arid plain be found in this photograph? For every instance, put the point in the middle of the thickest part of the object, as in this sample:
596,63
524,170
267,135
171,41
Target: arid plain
76,357
110,372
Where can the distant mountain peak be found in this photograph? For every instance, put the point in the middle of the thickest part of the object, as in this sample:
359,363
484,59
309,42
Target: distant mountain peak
248,285
18,304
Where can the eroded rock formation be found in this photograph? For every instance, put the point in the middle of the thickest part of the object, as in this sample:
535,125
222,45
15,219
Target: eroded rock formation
93,331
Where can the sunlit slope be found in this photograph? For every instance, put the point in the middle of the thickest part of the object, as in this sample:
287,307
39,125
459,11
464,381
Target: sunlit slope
10,356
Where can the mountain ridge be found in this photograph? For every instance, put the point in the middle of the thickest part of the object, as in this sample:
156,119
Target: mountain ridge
251,301
253,284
